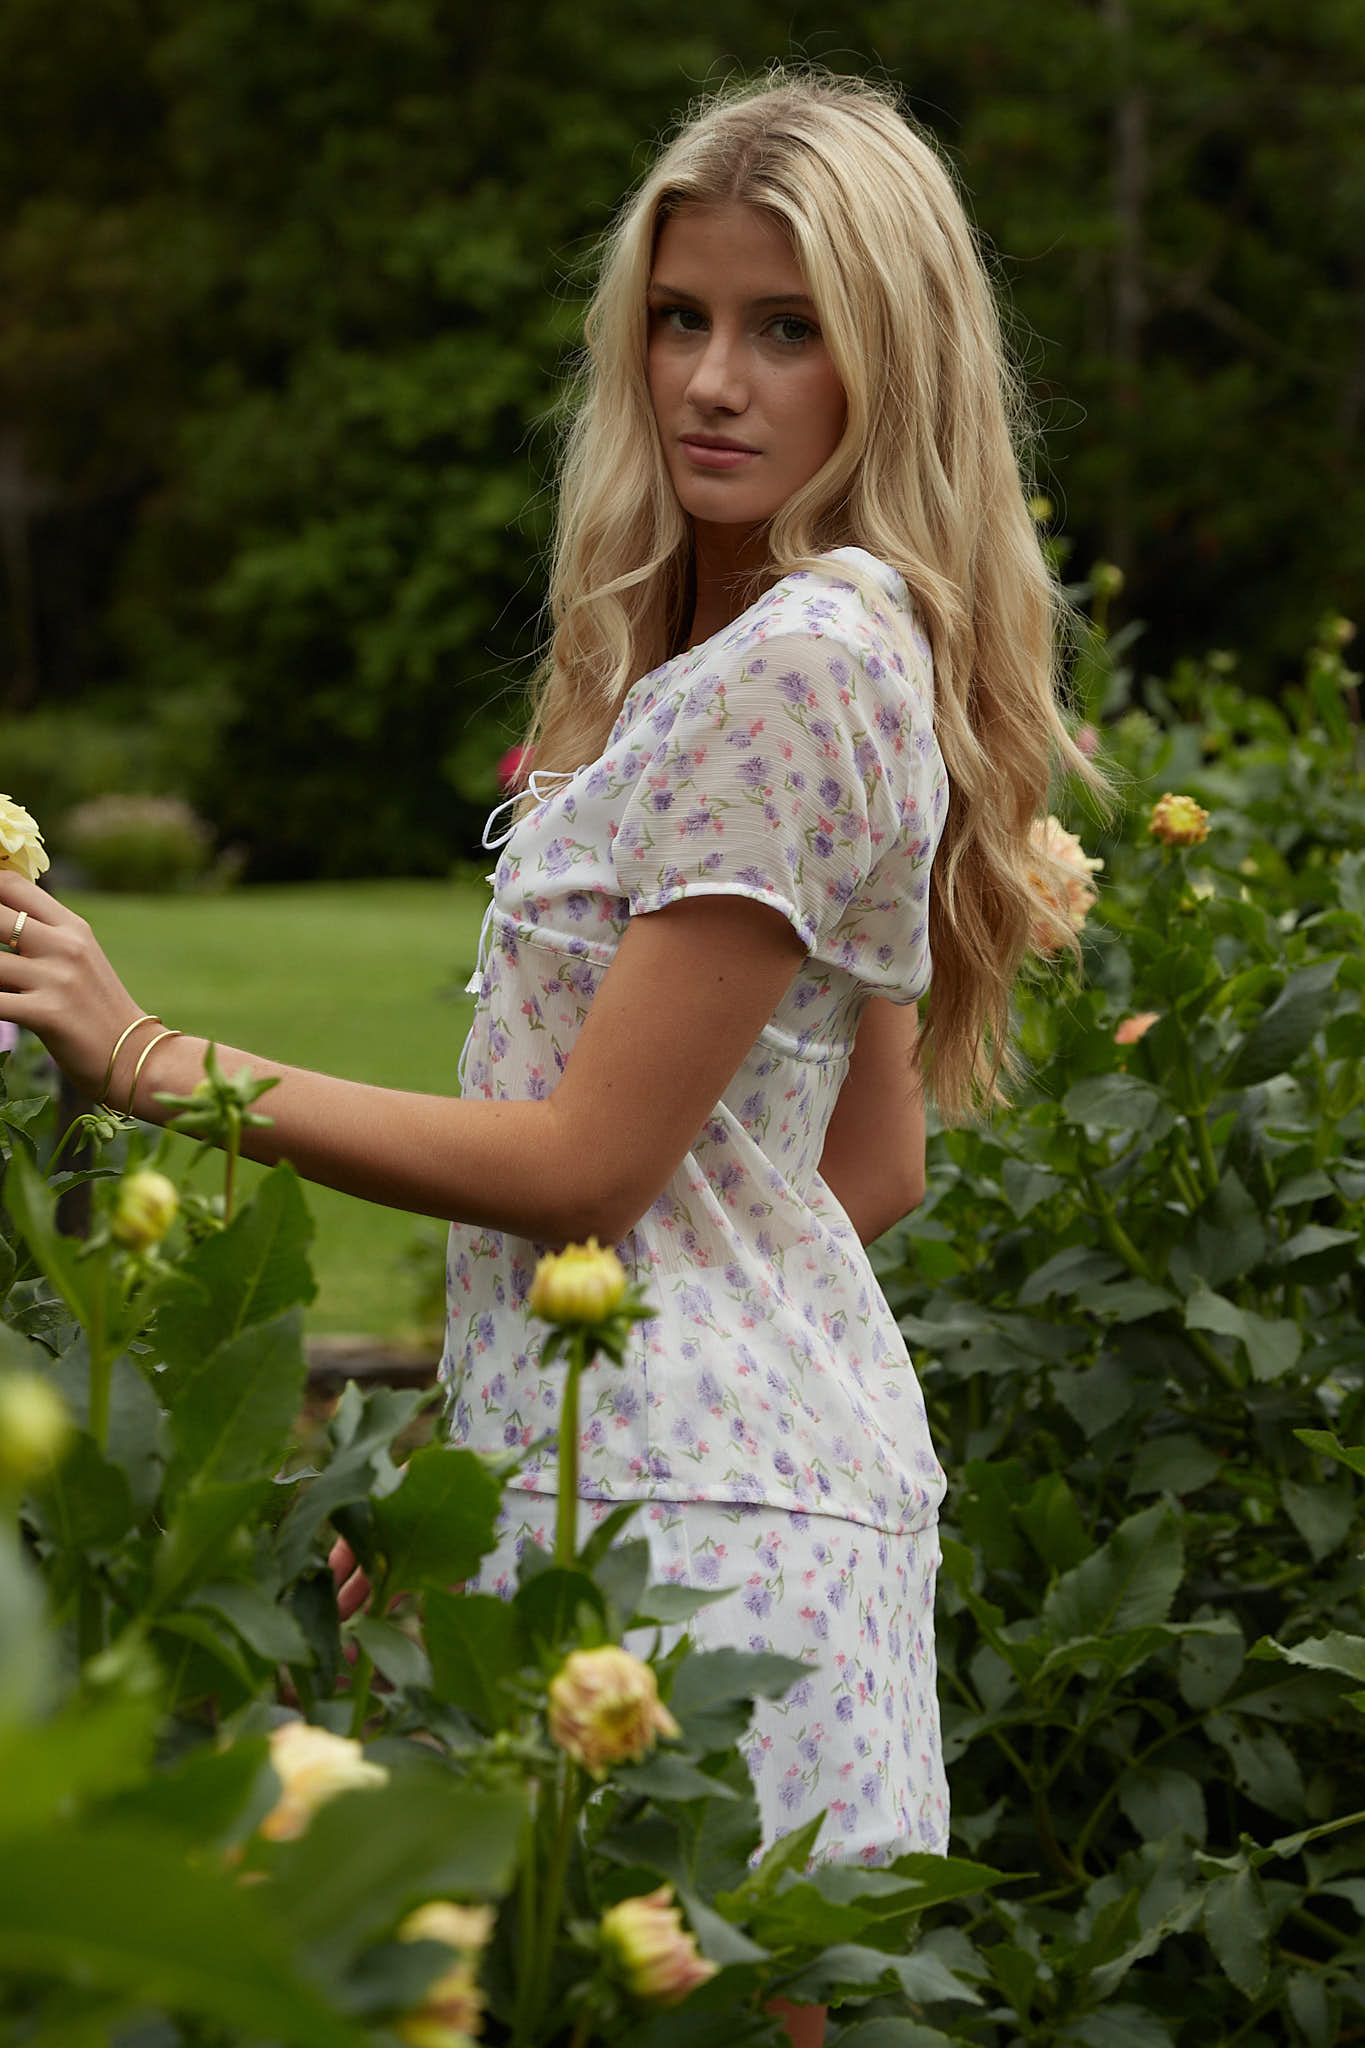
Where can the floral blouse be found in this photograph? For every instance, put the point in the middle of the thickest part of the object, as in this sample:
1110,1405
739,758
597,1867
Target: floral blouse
791,758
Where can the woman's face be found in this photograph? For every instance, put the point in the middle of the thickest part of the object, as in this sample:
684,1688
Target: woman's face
747,400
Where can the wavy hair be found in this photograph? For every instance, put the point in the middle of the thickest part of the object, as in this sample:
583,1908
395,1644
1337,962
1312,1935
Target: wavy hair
927,476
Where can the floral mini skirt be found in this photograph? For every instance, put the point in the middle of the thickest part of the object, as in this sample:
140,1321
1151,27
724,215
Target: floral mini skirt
860,1735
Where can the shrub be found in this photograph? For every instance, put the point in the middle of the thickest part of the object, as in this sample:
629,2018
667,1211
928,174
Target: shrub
146,844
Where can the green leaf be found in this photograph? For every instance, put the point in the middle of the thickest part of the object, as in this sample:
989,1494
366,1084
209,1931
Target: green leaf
1351,1455
670,1605
846,1969
1272,1346
264,1626
892,2033
439,1523
115,1905
1129,1583
1159,1801
1051,1519
669,1777
1208,1668
1238,1929
1173,1464
1119,1102
1262,1763
477,1647
370,1854
85,1503
33,1205
88,1751
250,1273
1322,1514
558,1606
393,1652
201,1530
136,1422
1074,1267
621,1575
360,1461
1334,1652
219,1643
1286,1029
233,1410
1118,2026
713,1691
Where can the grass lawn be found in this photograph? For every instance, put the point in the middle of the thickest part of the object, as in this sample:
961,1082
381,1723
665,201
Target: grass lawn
363,979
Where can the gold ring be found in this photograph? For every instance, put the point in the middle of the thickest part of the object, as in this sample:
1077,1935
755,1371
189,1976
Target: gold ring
21,919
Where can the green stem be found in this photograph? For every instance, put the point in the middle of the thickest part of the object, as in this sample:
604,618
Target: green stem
1204,1144
566,1515
363,1673
526,1929
231,1145
1113,1232
101,1363
89,1619
553,1894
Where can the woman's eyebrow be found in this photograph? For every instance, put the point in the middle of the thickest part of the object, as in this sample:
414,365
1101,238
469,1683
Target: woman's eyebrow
671,291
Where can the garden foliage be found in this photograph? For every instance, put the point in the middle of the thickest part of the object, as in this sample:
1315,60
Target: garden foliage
1135,1303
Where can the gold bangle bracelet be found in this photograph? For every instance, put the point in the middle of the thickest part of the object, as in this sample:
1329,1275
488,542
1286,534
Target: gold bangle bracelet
142,1060
119,1043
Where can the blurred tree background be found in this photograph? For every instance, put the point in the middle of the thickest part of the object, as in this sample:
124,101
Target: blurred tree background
287,286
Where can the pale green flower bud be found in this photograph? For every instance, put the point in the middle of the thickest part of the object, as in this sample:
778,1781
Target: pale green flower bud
582,1284
145,1206
34,1428
652,1950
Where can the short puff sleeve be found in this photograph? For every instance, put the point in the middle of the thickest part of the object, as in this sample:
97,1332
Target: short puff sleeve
801,770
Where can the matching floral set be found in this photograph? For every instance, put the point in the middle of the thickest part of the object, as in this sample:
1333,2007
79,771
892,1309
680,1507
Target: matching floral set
769,1415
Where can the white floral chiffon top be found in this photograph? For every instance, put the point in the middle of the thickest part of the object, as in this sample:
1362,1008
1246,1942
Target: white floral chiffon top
791,758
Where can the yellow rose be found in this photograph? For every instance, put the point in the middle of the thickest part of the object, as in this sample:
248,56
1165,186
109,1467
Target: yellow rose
451,2011
1060,877
1178,821
312,1766
145,1206
34,1427
21,843
604,1708
581,1284
651,1948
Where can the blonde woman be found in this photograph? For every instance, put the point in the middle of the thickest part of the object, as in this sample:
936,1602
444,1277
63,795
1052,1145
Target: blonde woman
796,720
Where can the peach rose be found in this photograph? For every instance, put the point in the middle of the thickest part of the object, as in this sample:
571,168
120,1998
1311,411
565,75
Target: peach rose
657,1957
1178,821
604,1708
1060,876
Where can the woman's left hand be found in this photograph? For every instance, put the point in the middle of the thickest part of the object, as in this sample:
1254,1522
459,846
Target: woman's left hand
57,983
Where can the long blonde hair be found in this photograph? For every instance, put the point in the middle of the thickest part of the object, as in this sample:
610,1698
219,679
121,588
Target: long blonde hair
926,477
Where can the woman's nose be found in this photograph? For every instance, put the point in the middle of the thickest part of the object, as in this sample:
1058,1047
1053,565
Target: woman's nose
719,382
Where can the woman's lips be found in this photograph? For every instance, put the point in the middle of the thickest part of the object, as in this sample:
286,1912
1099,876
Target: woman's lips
704,454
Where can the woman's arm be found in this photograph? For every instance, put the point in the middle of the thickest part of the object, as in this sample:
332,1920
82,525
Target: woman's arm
690,989
873,1161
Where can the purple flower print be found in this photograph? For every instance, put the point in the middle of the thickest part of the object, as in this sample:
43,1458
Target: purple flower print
871,1790
577,904
661,800
683,1433
888,722
696,822
783,1463
819,1628
753,773
753,878
790,1792
800,1695
793,687
759,1602
485,1328
836,1593
499,1044
625,1401
848,1819
695,1302
511,1433
831,792
823,845
808,1748
708,1568
796,780
556,857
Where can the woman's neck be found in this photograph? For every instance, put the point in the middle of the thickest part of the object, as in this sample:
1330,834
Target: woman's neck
729,564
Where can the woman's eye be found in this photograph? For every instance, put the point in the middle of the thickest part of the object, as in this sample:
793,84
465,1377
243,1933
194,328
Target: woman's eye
682,319
790,327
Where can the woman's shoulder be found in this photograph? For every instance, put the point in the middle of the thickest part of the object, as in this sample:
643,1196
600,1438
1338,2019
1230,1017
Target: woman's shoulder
845,603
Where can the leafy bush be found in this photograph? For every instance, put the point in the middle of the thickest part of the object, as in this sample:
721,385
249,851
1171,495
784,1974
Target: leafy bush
1136,1308
142,843
1135,1304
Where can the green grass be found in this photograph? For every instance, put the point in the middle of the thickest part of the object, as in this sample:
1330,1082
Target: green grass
363,979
